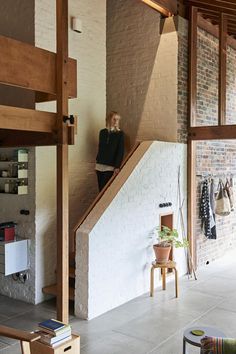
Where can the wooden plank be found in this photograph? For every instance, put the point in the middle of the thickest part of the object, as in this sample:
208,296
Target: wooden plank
166,7
27,120
191,201
62,164
192,69
18,334
212,132
13,138
32,68
53,290
222,70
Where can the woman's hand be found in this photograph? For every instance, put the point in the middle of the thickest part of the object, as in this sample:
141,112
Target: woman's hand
116,171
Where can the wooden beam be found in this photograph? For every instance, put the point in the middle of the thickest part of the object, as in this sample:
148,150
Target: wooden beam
192,71
166,7
27,120
214,30
191,199
222,70
222,6
62,163
213,132
203,6
13,138
32,68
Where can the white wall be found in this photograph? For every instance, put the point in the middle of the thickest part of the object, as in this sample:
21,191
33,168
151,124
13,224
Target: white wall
114,254
89,49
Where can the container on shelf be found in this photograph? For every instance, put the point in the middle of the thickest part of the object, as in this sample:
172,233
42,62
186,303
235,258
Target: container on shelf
21,155
7,186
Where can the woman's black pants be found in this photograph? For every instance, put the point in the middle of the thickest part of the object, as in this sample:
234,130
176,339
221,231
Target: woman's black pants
103,178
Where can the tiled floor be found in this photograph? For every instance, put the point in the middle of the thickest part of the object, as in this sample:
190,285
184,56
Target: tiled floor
144,325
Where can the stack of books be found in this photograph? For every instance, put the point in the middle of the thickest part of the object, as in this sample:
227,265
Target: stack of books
54,332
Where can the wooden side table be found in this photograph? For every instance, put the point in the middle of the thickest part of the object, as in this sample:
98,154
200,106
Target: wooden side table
72,346
163,267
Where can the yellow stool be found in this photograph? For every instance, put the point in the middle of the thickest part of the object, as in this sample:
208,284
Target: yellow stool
163,267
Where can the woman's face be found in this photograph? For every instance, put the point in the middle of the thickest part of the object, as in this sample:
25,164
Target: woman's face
115,121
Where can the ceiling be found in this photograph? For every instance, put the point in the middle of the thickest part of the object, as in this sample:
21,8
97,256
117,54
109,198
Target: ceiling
211,10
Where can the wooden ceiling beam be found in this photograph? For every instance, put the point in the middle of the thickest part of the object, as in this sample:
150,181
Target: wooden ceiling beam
212,132
221,6
214,30
166,7
22,119
202,5
32,68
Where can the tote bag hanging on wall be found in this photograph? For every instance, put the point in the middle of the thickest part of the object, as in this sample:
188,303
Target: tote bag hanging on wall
229,190
222,206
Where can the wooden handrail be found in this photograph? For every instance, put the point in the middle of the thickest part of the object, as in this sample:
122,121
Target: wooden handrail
99,196
18,334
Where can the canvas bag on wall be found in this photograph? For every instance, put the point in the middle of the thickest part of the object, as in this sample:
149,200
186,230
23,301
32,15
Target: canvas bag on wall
222,205
229,190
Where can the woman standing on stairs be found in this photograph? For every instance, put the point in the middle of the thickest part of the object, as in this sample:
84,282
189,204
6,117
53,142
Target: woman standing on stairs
110,149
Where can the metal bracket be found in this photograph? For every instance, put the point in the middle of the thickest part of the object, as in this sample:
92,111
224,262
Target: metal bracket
71,119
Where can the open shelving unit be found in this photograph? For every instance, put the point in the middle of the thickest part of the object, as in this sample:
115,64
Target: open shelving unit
14,173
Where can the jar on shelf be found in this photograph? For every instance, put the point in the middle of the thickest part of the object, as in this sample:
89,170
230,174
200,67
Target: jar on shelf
7,186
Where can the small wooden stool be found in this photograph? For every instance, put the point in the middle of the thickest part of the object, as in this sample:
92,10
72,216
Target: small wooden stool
163,267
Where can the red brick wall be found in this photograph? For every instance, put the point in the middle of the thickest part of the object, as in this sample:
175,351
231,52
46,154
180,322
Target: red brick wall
213,157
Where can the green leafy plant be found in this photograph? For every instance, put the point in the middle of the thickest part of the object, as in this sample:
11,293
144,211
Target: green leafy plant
168,237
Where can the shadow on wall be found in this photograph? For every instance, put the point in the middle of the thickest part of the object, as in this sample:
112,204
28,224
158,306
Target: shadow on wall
133,36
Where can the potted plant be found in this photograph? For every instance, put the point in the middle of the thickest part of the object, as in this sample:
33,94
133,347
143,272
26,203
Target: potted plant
166,239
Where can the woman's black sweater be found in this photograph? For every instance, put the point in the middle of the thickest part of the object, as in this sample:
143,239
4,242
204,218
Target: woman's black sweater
110,148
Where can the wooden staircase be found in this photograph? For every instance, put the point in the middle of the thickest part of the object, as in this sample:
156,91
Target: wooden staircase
52,289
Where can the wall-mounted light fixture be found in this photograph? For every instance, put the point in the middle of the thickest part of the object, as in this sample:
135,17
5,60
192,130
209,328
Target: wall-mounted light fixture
164,11
76,24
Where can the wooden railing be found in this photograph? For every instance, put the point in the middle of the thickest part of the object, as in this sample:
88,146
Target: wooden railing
99,196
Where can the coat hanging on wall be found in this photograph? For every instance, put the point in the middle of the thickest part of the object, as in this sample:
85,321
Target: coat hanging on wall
207,209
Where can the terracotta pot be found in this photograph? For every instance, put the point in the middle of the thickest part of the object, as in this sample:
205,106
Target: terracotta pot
162,253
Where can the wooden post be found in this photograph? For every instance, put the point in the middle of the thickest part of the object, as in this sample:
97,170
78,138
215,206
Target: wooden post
222,69
192,66
192,102
62,164
191,161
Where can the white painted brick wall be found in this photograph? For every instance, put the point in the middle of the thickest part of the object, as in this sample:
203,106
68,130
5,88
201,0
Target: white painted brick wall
89,49
114,256
141,71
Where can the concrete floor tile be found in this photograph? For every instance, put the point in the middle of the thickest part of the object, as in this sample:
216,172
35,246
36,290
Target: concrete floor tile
116,343
156,326
13,349
219,318
174,345
216,286
11,307
194,303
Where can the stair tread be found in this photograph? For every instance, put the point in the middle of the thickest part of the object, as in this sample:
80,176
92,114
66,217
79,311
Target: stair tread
52,290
